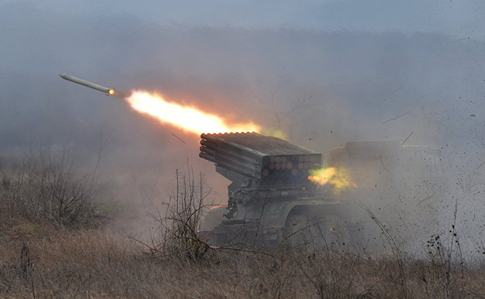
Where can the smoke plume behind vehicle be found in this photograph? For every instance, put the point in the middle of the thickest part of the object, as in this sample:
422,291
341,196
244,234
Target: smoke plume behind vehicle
322,89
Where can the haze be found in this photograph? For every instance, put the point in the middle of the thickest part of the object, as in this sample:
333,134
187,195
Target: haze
323,72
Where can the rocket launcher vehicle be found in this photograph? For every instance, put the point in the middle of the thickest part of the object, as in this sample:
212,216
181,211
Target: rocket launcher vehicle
269,160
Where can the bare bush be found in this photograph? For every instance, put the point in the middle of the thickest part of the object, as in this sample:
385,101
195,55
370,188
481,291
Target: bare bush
106,265
176,235
46,186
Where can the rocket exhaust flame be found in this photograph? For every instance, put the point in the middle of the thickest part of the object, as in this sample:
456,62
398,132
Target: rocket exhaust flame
187,118
340,178
184,117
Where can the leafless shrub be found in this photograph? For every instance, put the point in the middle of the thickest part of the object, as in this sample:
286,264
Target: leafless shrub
398,255
176,235
99,263
45,186
445,257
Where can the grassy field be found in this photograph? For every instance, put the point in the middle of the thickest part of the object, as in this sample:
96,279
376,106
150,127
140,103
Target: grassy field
54,243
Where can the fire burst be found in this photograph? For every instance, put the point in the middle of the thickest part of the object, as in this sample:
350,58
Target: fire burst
339,177
187,118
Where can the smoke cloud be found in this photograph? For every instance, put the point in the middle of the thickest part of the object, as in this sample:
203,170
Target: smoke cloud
321,88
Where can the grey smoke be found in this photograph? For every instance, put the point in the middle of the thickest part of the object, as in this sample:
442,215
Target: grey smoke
322,87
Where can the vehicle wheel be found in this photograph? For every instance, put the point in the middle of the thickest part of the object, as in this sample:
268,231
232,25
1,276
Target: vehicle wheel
331,232
298,231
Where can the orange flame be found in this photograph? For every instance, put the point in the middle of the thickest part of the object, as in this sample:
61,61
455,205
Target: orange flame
340,178
187,118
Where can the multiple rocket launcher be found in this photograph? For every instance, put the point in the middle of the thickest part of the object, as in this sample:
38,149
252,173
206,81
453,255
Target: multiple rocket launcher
267,159
270,160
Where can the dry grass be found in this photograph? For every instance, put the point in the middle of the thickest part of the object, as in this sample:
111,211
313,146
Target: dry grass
46,186
97,263
42,259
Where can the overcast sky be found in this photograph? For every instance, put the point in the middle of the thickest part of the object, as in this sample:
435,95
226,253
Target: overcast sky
462,18
257,50
259,46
